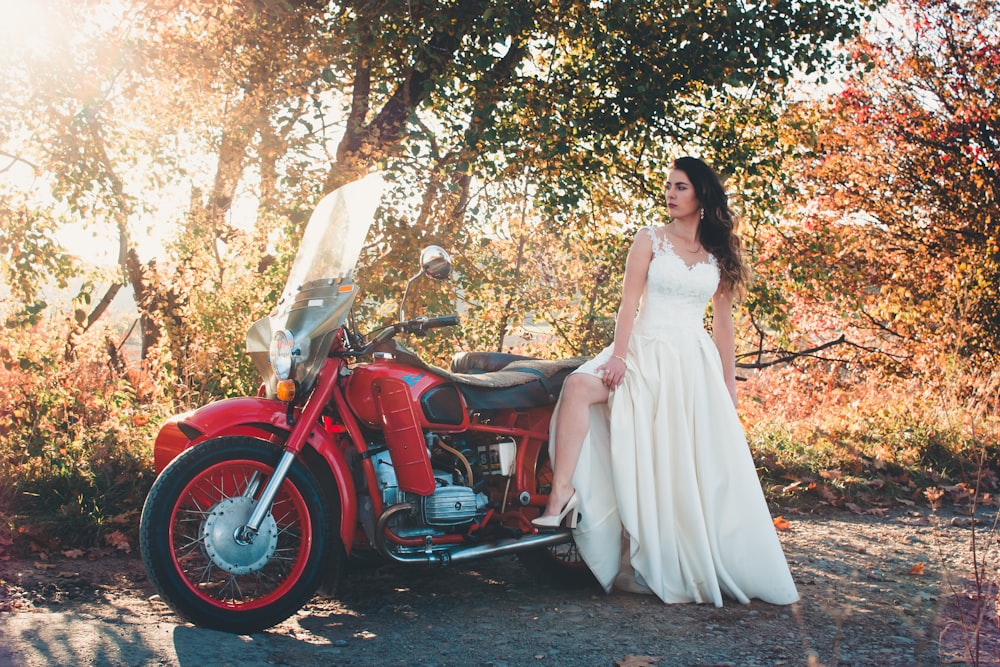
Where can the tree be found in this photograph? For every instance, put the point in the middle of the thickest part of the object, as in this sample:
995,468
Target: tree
277,102
902,181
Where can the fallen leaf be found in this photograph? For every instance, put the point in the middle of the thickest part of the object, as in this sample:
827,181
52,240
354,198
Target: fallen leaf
118,540
44,566
66,574
831,474
917,569
638,661
781,523
964,521
854,508
39,541
827,494
73,553
125,519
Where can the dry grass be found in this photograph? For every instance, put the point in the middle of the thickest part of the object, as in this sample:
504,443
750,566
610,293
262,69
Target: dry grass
874,440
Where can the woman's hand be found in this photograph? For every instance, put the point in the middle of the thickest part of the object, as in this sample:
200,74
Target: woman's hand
612,372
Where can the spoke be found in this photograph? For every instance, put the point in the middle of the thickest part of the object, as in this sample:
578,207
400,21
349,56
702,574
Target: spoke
270,582
284,507
284,519
237,481
251,484
189,545
290,531
206,573
227,477
236,586
567,553
198,508
283,566
223,592
219,490
289,519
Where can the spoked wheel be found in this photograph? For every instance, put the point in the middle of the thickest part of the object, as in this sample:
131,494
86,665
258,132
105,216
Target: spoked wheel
191,544
561,565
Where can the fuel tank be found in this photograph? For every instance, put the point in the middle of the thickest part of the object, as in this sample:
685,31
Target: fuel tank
402,401
386,389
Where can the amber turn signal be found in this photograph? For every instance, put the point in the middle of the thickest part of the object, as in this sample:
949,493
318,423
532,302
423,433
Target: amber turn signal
286,390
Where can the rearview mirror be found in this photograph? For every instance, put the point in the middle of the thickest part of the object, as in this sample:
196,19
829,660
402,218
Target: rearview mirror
435,262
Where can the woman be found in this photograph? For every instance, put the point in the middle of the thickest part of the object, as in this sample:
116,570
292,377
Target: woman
647,447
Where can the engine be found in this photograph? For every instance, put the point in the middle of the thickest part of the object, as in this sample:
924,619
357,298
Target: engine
451,506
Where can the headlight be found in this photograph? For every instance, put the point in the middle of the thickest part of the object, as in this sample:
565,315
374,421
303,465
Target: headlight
283,353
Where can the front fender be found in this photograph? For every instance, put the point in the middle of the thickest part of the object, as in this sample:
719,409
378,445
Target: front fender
260,418
256,417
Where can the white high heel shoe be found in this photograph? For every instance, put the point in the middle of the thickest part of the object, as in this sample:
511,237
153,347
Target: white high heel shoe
555,520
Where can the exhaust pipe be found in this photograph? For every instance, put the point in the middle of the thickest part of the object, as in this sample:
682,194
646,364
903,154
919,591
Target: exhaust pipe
499,547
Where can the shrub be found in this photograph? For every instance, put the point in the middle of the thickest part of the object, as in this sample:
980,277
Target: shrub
865,437
75,444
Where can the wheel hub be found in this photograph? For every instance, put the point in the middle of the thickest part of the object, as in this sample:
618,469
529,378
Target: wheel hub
219,537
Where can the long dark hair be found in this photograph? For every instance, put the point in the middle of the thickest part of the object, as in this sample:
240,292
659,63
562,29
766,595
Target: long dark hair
718,228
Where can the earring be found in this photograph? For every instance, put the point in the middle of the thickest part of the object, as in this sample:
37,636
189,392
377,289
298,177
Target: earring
703,213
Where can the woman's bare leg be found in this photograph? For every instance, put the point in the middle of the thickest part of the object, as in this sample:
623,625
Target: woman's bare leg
579,392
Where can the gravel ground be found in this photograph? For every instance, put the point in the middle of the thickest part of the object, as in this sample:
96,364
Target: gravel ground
886,589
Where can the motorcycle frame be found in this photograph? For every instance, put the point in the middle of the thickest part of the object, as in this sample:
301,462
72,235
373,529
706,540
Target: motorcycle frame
268,419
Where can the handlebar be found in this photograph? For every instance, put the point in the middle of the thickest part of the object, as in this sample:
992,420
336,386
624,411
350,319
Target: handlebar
424,324
419,326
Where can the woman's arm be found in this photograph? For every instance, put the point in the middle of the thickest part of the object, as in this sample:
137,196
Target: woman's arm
636,269
725,337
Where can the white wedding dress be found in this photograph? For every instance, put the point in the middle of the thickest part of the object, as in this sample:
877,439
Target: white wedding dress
670,499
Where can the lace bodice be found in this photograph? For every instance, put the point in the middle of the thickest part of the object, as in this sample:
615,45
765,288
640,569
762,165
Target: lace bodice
676,294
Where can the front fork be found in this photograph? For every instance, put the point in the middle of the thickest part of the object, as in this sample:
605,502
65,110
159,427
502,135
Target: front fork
245,534
326,383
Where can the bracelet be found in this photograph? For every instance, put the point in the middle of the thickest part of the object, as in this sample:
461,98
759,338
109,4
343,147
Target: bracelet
618,356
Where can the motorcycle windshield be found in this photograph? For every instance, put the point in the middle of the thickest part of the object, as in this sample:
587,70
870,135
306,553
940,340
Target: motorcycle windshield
333,239
319,291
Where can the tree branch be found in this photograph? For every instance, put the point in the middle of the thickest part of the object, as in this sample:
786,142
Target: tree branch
386,129
14,159
95,314
782,356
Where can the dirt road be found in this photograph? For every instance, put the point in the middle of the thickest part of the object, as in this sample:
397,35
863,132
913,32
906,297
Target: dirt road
876,590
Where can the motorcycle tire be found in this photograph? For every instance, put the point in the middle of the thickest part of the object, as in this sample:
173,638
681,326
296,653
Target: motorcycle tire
186,537
559,566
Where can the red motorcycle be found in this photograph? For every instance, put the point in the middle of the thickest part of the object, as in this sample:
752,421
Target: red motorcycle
353,445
